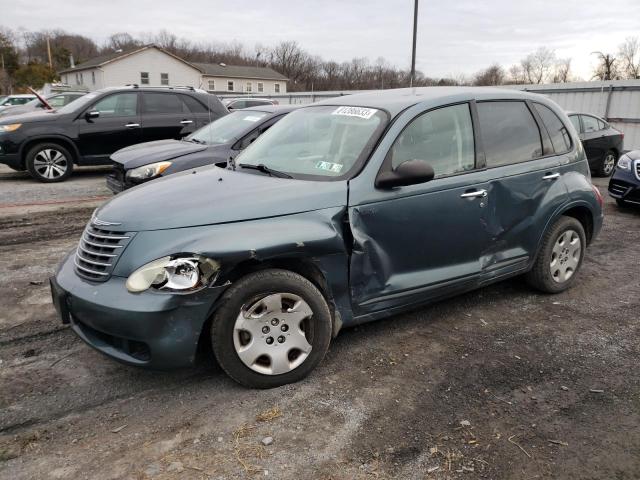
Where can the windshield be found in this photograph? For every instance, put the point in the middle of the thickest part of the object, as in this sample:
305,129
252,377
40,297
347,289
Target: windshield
320,142
79,104
228,128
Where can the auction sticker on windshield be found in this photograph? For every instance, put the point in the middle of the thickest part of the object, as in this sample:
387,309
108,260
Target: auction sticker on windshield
329,167
359,112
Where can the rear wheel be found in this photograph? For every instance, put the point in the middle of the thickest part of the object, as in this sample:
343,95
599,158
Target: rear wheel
49,162
272,328
607,165
560,256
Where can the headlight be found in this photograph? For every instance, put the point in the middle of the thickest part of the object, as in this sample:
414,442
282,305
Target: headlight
174,274
10,128
148,171
624,163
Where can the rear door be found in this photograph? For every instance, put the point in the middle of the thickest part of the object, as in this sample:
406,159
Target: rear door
164,116
116,127
524,159
594,139
200,113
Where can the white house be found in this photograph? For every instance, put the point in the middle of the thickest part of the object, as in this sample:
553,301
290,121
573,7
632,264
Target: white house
153,66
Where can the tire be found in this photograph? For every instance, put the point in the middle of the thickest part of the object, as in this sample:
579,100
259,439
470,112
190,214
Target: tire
607,165
621,203
49,162
251,312
558,246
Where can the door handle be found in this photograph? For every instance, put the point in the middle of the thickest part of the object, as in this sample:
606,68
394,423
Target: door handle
551,176
132,125
186,122
474,194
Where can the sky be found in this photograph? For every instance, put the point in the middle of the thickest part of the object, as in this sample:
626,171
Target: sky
454,36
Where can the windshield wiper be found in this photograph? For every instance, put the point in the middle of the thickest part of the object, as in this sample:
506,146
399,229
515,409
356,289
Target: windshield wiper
196,140
261,167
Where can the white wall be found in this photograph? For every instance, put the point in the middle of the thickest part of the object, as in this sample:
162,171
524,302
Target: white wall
239,85
127,70
85,79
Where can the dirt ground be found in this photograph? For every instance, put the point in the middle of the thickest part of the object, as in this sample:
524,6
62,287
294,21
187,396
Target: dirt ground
501,383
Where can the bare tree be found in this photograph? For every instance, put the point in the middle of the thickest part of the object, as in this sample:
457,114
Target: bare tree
537,66
516,75
562,71
122,41
607,68
629,55
493,75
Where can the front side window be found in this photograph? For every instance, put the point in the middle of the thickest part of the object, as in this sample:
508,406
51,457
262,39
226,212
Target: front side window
230,86
509,133
164,79
443,138
557,131
158,103
117,105
276,88
320,142
260,87
57,101
590,124
144,78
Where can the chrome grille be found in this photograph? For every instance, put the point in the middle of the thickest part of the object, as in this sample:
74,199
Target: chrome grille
617,188
637,169
98,251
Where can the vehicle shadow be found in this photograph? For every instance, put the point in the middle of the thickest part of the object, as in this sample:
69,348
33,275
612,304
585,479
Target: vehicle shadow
7,175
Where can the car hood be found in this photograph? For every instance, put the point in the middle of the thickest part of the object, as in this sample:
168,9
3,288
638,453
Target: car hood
28,117
211,195
158,151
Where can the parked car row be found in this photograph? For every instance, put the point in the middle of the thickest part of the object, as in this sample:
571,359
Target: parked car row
53,100
342,212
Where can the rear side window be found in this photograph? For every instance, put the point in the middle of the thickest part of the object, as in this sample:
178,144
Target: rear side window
442,137
161,103
193,105
509,133
557,131
590,124
575,121
601,125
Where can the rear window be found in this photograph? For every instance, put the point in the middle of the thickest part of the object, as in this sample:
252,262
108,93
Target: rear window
575,121
557,131
161,103
509,133
193,105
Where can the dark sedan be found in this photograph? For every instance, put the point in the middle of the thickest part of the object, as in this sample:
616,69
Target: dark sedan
602,143
216,143
624,185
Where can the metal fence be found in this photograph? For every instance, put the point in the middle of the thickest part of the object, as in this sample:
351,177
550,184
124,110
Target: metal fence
617,101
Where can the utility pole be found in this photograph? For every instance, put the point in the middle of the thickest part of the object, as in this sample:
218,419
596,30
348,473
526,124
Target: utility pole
413,51
49,51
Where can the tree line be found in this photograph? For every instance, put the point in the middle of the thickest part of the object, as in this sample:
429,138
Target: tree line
34,58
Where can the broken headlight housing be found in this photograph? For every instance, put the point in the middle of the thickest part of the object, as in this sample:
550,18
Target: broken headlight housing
181,274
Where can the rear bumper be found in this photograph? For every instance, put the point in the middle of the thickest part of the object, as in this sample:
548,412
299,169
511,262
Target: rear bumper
624,186
146,329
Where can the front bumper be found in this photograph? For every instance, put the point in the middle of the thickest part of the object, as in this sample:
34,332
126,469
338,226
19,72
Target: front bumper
148,329
624,185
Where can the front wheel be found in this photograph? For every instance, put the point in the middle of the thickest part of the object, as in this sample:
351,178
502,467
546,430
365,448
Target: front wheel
273,327
560,257
607,165
49,162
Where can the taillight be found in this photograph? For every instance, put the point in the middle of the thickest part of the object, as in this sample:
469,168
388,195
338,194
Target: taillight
598,195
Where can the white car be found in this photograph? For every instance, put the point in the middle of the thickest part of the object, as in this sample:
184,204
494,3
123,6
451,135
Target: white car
12,100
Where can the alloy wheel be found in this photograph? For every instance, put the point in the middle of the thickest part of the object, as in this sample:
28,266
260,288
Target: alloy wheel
608,164
565,256
50,163
271,334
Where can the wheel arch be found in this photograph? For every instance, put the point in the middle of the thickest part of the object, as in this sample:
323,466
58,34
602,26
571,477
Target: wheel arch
61,140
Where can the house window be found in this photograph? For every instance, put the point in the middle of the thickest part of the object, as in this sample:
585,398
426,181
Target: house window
164,79
276,87
144,78
93,77
212,85
260,87
249,87
230,86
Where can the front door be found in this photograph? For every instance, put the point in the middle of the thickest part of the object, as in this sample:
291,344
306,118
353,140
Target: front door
421,242
116,126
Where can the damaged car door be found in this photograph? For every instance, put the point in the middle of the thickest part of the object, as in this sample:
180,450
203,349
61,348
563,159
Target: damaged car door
420,242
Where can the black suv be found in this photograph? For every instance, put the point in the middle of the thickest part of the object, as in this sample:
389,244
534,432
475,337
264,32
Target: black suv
89,130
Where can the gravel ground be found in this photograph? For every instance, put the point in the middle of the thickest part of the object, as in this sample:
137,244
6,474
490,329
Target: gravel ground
500,383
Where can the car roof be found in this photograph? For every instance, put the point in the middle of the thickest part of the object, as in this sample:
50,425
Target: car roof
396,100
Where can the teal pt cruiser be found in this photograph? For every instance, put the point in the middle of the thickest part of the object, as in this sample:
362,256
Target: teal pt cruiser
346,211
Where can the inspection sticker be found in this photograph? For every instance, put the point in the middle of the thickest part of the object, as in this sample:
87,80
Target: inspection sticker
360,112
329,167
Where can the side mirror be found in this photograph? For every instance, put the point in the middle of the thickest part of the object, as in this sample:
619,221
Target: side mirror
410,172
92,114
